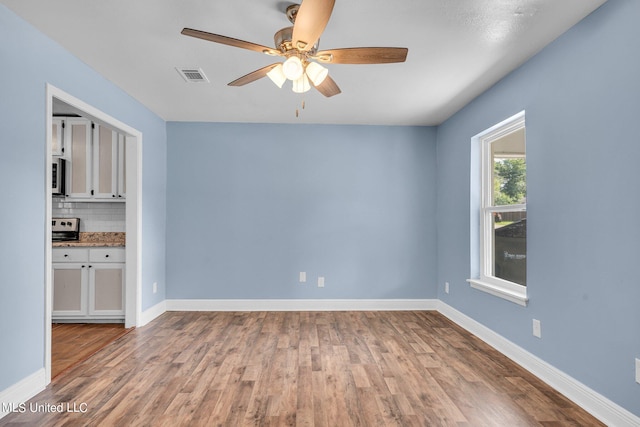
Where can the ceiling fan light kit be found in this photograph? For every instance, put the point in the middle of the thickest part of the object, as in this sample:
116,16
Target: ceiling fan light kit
317,73
301,85
277,75
292,68
299,46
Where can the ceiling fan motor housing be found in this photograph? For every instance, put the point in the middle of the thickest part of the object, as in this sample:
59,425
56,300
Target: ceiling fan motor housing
292,12
282,39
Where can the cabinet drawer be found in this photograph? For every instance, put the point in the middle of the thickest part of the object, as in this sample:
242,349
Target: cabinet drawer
70,255
107,255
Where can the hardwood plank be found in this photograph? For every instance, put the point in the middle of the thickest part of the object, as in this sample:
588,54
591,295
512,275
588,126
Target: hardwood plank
71,343
306,369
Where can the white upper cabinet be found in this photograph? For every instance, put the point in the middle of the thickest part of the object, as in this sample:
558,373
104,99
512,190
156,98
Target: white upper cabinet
105,163
96,161
122,166
77,138
57,143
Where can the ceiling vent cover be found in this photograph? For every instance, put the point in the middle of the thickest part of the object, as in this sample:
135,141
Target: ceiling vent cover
193,75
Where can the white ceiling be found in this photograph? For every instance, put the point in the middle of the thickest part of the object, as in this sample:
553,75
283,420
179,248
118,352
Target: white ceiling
457,49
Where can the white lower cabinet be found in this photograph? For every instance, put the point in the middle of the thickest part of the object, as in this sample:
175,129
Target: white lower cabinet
88,284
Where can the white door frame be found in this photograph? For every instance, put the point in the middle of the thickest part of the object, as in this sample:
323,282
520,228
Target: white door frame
133,271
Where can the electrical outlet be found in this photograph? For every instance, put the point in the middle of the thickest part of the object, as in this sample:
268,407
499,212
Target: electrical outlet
303,277
321,282
537,331
446,287
155,287
638,370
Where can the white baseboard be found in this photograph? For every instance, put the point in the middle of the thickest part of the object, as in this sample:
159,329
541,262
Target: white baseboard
597,405
21,391
300,304
151,313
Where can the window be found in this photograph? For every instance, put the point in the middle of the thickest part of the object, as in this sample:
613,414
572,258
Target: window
502,211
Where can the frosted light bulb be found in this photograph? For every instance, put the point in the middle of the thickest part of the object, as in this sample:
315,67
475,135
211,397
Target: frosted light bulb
292,68
277,76
317,73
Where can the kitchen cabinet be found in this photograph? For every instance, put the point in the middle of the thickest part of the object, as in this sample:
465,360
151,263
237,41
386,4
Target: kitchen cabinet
70,283
108,161
97,162
122,167
77,137
88,284
57,143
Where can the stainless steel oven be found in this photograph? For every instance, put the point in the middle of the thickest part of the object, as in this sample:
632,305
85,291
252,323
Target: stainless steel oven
65,229
57,176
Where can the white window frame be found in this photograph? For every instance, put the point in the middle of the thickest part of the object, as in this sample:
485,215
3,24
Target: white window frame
486,281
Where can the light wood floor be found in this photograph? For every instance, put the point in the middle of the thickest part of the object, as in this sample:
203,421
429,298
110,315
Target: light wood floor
71,343
302,368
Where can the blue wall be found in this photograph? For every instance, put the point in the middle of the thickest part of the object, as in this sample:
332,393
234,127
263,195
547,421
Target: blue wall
582,100
381,212
250,206
28,61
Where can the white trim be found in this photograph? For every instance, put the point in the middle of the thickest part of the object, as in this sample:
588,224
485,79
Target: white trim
133,280
500,291
48,203
23,390
596,404
504,128
486,281
300,304
151,313
133,220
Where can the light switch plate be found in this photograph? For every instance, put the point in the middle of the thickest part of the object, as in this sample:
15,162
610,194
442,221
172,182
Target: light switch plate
321,282
537,330
638,371
303,276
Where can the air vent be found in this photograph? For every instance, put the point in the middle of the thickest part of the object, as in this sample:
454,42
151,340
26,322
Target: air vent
193,75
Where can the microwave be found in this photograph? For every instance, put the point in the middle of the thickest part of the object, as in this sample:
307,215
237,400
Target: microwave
57,176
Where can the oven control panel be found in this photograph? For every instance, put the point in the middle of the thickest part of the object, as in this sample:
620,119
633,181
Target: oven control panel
65,224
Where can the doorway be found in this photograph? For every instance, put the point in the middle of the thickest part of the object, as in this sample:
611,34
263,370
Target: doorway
133,218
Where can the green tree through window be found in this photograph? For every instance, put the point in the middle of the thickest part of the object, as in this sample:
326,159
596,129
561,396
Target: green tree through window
509,182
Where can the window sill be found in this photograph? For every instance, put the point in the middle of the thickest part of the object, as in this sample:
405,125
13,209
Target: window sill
517,297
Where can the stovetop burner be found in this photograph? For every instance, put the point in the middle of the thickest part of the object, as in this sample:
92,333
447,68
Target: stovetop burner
65,229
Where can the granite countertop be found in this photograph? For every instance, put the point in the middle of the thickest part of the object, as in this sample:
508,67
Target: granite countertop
95,239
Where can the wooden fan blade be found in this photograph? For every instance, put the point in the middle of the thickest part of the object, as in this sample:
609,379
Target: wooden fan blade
328,87
229,41
310,22
363,55
253,76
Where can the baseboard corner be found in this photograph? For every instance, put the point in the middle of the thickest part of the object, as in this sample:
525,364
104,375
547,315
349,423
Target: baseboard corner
152,312
591,401
15,395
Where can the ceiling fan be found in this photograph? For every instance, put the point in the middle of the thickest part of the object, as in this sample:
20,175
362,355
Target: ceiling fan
299,46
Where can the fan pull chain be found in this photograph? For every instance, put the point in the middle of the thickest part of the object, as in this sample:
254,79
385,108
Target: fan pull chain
302,105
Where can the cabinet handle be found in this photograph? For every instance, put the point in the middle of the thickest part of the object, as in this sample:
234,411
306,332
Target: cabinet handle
106,256
113,195
83,266
66,255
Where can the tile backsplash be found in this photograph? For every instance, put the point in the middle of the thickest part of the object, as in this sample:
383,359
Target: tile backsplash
95,216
